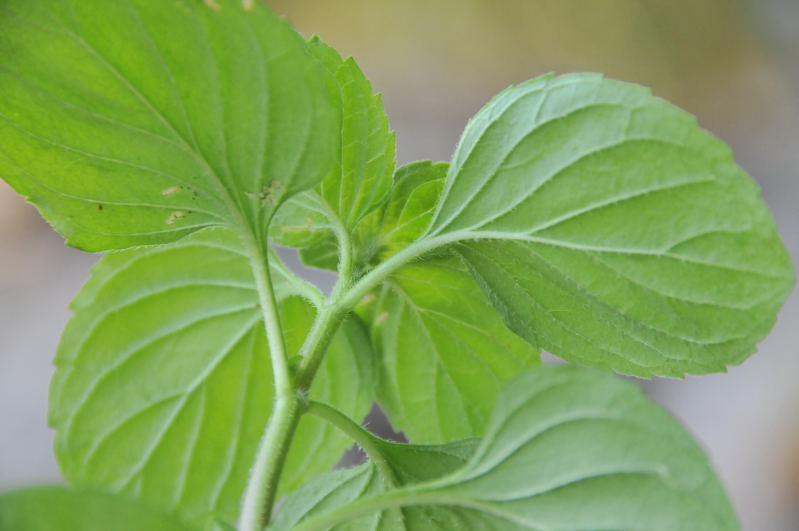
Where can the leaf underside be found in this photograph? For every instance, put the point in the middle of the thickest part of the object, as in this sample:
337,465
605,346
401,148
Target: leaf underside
567,449
163,383
62,509
610,230
137,122
444,353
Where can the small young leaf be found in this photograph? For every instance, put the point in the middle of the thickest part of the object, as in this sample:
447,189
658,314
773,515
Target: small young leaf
163,382
406,214
361,181
368,145
566,449
610,230
62,509
401,220
444,352
138,122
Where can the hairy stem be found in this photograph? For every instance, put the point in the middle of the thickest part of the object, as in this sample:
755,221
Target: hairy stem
299,286
315,346
344,299
372,279
274,331
344,260
358,434
265,475
262,486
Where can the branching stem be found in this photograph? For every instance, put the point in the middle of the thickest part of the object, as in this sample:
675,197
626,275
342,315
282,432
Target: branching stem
259,497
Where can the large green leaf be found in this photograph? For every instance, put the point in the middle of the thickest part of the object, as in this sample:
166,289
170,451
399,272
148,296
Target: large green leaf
566,449
444,352
135,122
163,382
609,229
361,181
61,509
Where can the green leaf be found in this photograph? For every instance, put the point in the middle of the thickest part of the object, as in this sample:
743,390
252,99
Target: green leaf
368,145
406,214
412,464
362,180
444,352
401,220
163,382
566,449
137,122
62,509
415,463
610,230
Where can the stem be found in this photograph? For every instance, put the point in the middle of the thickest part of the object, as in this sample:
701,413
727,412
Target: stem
344,258
313,350
362,438
274,332
345,262
371,280
262,486
299,286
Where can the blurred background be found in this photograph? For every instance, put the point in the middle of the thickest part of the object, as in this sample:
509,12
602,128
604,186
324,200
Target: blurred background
733,63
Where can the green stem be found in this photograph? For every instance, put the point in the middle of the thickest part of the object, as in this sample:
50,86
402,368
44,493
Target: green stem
343,301
272,451
313,350
274,332
261,489
299,286
372,279
345,262
362,438
344,241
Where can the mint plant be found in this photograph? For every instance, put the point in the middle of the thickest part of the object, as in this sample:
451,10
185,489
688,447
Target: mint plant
200,380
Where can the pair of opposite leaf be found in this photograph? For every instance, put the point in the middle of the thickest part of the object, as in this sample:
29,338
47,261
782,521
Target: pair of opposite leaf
592,219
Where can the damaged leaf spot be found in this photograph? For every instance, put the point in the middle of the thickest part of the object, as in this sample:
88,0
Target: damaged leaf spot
174,217
381,318
269,195
213,5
